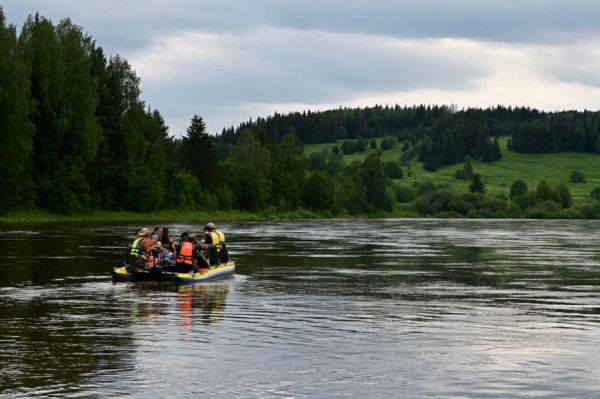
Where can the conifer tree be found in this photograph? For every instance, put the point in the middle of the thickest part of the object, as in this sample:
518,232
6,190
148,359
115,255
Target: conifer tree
16,130
199,153
477,185
496,154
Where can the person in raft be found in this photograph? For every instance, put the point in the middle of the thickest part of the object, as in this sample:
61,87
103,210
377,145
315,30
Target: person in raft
166,240
215,241
140,251
189,258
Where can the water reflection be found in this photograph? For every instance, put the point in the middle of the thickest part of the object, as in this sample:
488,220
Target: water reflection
205,302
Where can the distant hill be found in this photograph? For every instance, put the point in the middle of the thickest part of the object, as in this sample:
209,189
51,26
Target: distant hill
439,135
554,168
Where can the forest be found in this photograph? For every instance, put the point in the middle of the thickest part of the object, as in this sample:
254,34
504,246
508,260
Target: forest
78,136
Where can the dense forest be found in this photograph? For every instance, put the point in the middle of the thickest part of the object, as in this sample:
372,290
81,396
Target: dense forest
77,136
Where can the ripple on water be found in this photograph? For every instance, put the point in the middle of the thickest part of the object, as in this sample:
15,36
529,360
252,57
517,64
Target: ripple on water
377,308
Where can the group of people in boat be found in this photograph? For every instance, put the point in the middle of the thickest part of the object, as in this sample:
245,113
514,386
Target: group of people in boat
157,251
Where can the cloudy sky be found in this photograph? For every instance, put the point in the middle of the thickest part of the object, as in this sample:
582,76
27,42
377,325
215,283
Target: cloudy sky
230,60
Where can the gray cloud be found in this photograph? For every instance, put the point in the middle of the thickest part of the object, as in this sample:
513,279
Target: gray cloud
275,66
123,23
231,59
573,64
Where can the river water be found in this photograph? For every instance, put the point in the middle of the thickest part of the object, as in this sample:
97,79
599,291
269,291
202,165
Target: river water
317,309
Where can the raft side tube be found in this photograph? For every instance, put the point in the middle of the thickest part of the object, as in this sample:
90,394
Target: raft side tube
120,274
222,271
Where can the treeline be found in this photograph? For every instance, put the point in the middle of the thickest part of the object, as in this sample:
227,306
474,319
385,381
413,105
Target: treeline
74,131
558,132
441,135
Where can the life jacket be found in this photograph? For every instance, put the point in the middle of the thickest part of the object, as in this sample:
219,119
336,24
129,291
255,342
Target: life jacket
186,254
216,239
137,251
224,254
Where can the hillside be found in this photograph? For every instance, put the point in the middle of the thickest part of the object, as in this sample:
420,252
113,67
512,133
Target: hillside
498,176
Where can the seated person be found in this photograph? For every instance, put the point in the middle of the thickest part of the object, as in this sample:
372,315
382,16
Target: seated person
189,259
217,239
140,251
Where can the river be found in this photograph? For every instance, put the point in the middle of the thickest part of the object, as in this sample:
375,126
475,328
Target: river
317,309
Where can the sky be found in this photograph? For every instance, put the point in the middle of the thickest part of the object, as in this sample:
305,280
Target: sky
232,60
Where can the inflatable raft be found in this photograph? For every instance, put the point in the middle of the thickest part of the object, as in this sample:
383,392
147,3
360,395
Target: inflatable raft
121,274
224,270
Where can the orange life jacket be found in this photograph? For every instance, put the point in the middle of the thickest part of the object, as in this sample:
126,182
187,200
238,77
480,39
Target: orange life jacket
186,255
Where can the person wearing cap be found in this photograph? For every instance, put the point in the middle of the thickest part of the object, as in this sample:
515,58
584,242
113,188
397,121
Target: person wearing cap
189,259
182,237
215,242
140,250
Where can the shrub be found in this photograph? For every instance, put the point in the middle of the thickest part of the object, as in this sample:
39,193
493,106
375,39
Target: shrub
595,193
565,196
518,188
461,174
577,176
387,143
544,210
590,211
393,170
405,194
424,187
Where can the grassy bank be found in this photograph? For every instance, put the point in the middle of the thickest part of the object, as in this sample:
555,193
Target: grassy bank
167,216
499,175
178,216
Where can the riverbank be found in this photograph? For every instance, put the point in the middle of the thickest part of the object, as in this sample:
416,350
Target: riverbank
124,217
172,216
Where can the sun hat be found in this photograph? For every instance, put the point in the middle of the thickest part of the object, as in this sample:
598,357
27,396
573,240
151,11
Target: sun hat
143,232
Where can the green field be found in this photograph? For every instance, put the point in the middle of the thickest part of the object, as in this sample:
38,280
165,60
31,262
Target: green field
498,176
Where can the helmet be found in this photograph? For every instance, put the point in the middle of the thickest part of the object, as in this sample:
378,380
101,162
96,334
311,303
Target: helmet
210,226
185,234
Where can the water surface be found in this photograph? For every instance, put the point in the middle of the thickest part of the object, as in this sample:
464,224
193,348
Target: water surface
319,309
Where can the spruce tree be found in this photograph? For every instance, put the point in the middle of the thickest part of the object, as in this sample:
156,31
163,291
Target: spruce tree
496,154
477,185
199,153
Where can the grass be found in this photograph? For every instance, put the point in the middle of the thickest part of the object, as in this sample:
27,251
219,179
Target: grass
392,154
499,175
167,216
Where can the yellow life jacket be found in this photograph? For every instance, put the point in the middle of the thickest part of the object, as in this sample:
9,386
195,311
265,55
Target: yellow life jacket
216,240
137,251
